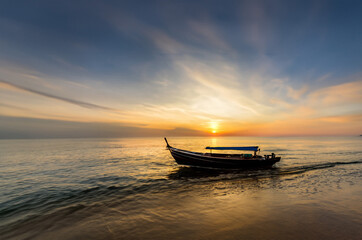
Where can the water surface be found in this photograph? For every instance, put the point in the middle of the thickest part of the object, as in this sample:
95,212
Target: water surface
132,189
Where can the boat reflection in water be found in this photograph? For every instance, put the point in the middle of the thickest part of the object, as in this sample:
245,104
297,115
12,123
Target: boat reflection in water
223,161
209,174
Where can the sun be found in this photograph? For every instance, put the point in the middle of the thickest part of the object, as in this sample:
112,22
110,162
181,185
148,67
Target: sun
213,126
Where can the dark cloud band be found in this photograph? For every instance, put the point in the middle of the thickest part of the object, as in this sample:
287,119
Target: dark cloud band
63,99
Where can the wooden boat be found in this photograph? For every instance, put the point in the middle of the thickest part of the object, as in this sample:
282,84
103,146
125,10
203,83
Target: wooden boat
219,160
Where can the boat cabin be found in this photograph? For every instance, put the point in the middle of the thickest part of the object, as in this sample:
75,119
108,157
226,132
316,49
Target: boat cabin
255,149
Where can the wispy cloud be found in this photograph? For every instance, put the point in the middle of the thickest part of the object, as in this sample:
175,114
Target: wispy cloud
343,119
63,99
344,93
20,127
249,66
208,33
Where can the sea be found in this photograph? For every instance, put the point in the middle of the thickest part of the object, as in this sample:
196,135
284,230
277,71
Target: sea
131,188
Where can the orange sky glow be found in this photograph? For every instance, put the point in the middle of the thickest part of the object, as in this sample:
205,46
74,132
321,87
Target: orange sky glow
217,111
257,70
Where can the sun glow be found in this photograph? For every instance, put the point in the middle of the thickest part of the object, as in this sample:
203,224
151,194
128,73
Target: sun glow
213,126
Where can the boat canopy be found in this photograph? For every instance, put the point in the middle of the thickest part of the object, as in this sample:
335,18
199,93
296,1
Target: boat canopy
254,148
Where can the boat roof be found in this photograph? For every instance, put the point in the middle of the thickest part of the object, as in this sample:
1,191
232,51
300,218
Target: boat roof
253,148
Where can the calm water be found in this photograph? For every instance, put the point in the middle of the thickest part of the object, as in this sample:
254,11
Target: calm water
133,189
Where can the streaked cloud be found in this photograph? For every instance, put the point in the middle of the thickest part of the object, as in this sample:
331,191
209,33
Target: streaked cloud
243,68
64,99
345,93
17,127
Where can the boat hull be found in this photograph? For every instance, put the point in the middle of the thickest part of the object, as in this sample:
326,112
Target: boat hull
183,157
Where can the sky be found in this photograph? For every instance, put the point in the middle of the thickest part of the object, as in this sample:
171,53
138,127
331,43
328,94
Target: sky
180,68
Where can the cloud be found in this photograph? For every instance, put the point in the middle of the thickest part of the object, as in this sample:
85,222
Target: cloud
12,106
217,86
296,94
164,42
18,127
345,93
63,99
342,119
182,66
209,34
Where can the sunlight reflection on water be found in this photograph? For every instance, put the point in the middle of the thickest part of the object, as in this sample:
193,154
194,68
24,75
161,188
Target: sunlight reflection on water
133,189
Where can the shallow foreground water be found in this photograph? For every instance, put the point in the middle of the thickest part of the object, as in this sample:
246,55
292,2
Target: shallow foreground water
131,188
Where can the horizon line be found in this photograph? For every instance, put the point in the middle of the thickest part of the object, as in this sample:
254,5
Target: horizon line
191,136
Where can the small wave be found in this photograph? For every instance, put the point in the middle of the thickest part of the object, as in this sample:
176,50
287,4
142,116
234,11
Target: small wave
44,201
114,159
277,150
106,179
342,153
305,168
224,174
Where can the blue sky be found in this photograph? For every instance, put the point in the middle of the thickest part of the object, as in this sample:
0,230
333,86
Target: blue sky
233,67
